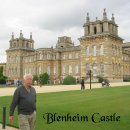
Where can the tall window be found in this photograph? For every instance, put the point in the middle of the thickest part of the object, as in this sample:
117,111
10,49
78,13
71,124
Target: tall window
76,69
40,56
25,70
87,51
112,50
94,70
64,56
101,50
48,70
40,69
94,51
30,71
102,69
17,59
87,68
70,69
54,70
9,72
113,68
33,70
8,59
77,55
63,69
70,56
95,30
48,56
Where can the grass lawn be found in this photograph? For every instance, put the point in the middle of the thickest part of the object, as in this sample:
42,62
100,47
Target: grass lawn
106,102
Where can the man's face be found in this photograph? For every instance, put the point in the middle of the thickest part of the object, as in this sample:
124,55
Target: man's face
28,81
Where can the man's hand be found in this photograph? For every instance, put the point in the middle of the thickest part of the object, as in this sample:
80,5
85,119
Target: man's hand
11,119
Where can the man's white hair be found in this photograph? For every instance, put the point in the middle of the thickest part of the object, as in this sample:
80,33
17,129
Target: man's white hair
27,75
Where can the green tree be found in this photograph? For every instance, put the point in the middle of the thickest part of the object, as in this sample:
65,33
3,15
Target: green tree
2,77
44,78
69,80
1,71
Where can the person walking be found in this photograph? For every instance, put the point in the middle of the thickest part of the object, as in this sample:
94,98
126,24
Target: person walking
82,84
25,99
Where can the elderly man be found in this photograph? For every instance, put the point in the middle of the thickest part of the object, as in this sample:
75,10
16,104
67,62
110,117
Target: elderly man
25,98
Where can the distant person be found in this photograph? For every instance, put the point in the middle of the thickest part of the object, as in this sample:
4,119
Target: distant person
19,83
82,84
25,99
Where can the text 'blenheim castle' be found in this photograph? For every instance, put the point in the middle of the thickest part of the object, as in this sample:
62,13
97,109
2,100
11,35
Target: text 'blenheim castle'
101,50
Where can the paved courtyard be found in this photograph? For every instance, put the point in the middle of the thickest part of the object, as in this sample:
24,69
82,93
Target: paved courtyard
8,91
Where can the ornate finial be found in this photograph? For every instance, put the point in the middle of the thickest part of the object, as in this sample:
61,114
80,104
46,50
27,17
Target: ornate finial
104,15
96,18
113,18
12,35
31,35
88,19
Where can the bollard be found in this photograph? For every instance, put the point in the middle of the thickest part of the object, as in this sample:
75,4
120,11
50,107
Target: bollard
90,78
4,118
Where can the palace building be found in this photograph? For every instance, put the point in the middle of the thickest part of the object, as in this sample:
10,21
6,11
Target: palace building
101,50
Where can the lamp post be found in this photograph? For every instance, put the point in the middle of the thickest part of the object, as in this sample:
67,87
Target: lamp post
90,75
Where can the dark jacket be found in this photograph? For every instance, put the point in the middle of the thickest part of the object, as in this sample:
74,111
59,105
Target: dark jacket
82,82
26,101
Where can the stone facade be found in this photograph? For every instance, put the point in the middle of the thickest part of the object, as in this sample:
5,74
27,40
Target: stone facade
101,50
104,48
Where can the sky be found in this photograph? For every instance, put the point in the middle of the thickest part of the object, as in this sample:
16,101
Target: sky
50,19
